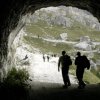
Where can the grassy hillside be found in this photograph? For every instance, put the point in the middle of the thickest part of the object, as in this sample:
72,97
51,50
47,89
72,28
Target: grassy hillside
47,47
74,33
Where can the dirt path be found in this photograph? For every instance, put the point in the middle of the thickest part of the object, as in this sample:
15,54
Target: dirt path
47,71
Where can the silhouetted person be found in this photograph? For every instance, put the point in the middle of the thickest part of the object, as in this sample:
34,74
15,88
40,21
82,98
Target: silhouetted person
38,36
48,58
54,55
65,62
81,63
43,58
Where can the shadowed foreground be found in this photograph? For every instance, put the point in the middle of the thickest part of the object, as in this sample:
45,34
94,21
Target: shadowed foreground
51,91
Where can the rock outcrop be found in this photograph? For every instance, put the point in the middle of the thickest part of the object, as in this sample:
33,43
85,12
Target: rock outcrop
66,17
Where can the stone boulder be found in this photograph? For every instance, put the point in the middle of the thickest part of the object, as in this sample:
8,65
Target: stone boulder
85,43
85,38
83,46
64,36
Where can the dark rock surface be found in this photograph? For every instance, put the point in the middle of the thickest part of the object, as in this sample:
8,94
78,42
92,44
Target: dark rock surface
51,91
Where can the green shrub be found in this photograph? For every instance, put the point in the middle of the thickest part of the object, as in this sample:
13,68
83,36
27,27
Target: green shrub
15,84
17,77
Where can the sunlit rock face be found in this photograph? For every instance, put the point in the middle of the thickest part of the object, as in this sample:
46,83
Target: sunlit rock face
12,10
85,38
66,17
85,43
63,36
83,46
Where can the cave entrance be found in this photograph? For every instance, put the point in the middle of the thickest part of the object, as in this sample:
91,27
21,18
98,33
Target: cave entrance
53,29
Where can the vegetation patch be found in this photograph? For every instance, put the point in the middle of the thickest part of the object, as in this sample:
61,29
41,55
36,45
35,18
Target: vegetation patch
15,85
46,46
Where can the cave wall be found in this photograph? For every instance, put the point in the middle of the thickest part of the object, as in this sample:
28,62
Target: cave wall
12,10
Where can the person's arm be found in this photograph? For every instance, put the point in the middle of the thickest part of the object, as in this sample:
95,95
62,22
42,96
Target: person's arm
59,64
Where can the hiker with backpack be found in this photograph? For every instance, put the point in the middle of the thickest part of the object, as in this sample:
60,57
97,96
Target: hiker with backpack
81,62
65,62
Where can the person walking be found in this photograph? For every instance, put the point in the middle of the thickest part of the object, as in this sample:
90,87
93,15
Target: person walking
48,58
81,62
43,58
65,62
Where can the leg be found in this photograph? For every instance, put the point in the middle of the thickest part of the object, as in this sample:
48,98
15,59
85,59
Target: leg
79,74
68,80
66,76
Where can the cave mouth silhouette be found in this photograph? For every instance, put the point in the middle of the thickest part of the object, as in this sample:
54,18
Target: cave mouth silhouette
25,18
10,13
14,10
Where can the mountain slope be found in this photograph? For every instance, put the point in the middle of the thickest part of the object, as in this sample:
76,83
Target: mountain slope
53,21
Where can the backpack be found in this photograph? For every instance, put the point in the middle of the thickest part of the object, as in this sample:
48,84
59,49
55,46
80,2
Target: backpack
86,62
66,60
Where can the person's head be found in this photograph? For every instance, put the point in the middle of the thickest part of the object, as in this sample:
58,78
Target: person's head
63,52
78,54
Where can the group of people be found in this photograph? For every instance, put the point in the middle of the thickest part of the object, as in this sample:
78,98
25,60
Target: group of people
44,58
81,62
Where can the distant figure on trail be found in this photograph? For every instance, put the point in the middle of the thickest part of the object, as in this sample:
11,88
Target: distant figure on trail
81,62
65,62
43,58
51,55
38,36
48,58
54,55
